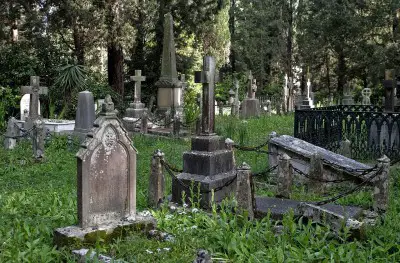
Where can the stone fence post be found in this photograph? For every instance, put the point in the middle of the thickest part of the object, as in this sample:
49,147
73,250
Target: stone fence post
198,125
229,146
244,190
381,185
285,177
39,133
176,126
156,180
144,126
316,173
12,132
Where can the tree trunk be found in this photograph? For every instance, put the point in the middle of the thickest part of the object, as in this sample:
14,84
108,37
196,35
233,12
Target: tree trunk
138,59
232,57
328,73
116,68
79,47
341,71
289,47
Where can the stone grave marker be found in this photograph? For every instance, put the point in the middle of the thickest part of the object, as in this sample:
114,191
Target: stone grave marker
366,94
307,102
34,90
251,105
85,114
10,140
169,87
106,173
209,164
24,107
347,94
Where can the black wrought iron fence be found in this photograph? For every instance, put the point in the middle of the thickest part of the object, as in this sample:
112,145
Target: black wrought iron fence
371,131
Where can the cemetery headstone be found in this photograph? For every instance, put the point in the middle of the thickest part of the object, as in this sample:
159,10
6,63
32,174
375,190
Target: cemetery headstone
209,164
366,95
157,180
169,87
10,140
25,105
244,194
85,114
136,108
251,105
347,94
34,90
106,175
298,98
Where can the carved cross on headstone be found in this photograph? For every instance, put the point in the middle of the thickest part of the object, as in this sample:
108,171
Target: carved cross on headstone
250,78
138,79
366,94
389,84
34,90
207,77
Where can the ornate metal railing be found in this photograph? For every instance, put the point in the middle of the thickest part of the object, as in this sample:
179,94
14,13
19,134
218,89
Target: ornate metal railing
370,130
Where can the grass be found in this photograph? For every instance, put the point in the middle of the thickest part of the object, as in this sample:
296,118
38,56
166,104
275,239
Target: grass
36,198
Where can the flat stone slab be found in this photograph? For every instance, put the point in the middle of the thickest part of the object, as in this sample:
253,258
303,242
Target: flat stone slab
307,149
76,236
279,207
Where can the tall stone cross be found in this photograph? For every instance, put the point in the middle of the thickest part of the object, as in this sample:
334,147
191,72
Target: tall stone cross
138,79
207,77
34,90
250,89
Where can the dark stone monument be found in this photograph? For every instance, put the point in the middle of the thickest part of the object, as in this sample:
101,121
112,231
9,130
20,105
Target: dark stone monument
390,85
209,164
85,114
251,105
169,87
106,173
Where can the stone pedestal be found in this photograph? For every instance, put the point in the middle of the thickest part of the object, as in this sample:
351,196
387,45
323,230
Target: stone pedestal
209,165
250,108
135,110
347,100
85,114
306,104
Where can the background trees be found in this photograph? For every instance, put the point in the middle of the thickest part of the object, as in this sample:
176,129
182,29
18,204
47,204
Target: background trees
335,41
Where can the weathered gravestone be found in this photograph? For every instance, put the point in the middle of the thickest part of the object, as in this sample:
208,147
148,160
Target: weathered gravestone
136,108
24,106
307,101
251,105
106,173
366,95
209,164
34,90
169,87
348,94
85,114
10,140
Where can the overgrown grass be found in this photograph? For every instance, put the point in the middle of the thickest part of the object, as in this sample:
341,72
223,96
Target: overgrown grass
36,198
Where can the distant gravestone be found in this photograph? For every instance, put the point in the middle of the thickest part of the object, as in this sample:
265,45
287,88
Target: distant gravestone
24,107
85,114
366,94
106,172
251,105
10,140
347,94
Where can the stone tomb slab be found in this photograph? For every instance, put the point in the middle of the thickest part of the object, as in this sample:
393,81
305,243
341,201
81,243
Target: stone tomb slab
301,151
279,207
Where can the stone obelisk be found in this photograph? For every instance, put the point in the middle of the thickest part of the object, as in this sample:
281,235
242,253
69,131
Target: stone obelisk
169,87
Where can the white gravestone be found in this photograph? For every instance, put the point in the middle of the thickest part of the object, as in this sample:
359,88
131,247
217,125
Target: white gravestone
24,106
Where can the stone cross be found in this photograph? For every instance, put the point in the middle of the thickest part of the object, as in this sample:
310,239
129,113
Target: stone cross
208,78
34,90
389,84
250,90
366,94
138,79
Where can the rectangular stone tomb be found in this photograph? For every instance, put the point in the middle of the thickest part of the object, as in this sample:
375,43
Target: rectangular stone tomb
55,126
301,152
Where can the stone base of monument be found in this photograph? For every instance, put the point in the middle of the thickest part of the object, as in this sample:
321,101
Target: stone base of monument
135,110
347,100
130,124
250,108
76,237
209,165
306,104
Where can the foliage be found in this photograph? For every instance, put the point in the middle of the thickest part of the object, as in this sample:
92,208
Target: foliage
8,104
